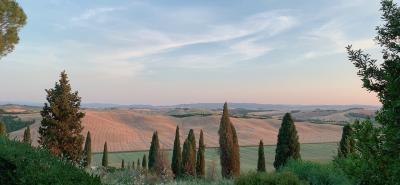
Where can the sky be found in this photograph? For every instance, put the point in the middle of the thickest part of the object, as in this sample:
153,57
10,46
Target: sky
171,52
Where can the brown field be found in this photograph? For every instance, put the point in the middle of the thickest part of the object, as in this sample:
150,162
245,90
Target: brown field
130,130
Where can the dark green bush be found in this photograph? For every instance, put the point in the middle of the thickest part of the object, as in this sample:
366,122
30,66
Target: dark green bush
37,166
262,178
316,174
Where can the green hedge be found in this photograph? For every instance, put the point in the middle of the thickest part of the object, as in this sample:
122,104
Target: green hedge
262,178
21,164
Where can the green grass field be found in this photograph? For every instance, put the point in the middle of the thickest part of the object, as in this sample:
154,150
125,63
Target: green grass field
319,152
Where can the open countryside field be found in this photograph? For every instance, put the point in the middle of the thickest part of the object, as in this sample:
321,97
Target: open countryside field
317,152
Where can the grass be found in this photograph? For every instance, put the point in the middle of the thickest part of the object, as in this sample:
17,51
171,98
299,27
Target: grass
318,152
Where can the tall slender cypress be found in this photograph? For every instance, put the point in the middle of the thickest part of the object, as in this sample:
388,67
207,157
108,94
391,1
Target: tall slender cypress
144,162
200,163
288,142
87,151
123,164
27,136
189,155
104,162
346,145
176,164
229,146
133,165
138,164
261,158
154,153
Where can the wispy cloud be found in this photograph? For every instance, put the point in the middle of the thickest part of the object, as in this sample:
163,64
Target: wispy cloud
90,13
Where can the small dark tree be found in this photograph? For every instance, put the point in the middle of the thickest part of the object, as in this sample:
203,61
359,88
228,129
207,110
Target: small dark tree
133,165
3,129
288,142
27,136
122,164
104,162
261,158
60,130
189,155
144,162
154,153
138,164
176,164
200,163
87,151
228,146
346,145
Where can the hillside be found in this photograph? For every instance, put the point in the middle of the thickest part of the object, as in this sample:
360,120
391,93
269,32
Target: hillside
131,129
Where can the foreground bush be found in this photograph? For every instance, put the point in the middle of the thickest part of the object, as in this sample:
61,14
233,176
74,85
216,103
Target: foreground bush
316,174
280,178
22,164
197,181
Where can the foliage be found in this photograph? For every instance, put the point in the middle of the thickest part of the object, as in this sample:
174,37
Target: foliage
87,151
382,78
197,181
261,158
288,142
200,162
27,136
281,178
229,147
3,129
14,123
346,145
154,152
37,166
189,155
104,161
176,164
60,130
316,174
12,20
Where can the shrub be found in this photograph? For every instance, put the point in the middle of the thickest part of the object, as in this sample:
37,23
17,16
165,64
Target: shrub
316,174
38,166
261,178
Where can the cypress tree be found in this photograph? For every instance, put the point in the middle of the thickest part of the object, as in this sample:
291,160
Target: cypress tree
60,130
189,154
138,164
122,164
154,153
144,162
229,146
288,142
346,145
3,129
87,151
104,162
176,164
27,136
133,165
261,158
200,163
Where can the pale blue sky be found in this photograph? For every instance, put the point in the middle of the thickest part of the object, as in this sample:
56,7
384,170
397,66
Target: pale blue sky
169,52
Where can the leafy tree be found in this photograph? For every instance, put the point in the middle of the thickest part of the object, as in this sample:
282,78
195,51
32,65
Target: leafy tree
12,20
87,151
3,129
61,128
288,142
123,164
27,136
176,164
229,147
200,163
346,145
261,158
189,155
104,161
383,78
144,162
154,153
